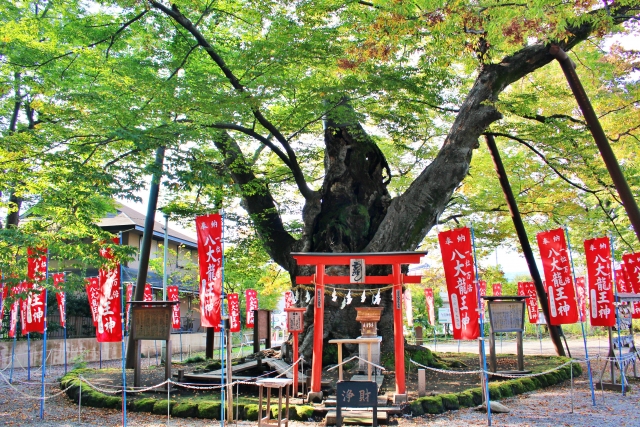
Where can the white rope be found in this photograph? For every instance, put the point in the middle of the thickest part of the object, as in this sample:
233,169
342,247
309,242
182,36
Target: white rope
28,396
359,358
479,371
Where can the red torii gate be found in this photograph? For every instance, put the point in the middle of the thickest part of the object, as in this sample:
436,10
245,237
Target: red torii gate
319,279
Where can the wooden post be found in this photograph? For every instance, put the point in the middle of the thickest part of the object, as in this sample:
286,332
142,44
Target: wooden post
295,365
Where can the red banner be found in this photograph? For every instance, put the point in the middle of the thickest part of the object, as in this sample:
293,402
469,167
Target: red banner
173,295
632,271
429,303
483,293
631,287
251,300
209,229
93,294
581,288
529,289
497,289
14,311
288,299
109,317
4,290
128,306
35,305
61,296
457,258
598,255
557,272
148,293
234,312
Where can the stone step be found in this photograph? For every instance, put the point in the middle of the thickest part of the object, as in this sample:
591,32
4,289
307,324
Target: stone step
357,417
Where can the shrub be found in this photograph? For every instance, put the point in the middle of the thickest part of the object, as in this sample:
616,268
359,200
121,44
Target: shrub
210,410
303,412
528,384
476,393
160,407
465,399
432,405
251,412
517,386
494,392
184,410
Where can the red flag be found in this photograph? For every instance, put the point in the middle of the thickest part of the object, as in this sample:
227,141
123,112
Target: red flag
632,270
93,294
234,312
483,293
109,317
428,297
581,288
408,306
58,278
288,299
209,229
628,281
557,272
36,301
4,290
251,298
497,289
172,295
529,289
148,293
598,255
14,312
457,258
129,296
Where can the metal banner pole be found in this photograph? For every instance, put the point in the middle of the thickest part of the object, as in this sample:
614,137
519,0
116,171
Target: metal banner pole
65,328
123,355
13,353
584,336
28,356
44,354
484,377
100,355
617,305
222,323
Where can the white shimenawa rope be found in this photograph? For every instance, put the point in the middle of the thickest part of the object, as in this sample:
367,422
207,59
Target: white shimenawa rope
445,371
28,396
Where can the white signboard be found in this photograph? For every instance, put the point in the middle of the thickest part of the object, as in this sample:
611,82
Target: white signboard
357,270
444,315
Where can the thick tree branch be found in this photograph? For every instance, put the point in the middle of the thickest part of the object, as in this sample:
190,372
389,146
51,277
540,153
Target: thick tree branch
176,15
258,201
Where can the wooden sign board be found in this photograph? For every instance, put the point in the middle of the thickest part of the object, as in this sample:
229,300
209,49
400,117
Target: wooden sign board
151,323
506,316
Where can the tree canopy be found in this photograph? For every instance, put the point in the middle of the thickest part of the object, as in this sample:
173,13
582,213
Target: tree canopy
340,126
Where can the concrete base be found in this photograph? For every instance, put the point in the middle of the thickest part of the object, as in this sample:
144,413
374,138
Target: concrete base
315,397
399,398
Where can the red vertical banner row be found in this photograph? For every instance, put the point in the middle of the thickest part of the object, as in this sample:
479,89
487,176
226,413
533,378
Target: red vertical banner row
497,289
109,319
92,287
61,296
234,312
288,299
147,294
529,289
598,255
15,310
174,295
4,291
557,272
35,304
483,293
631,270
428,297
457,258
408,306
209,230
251,299
128,306
581,289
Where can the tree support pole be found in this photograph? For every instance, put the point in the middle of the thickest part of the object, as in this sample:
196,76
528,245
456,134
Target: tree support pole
145,250
629,202
554,331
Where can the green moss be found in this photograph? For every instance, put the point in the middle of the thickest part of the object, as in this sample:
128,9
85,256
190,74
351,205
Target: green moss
577,369
517,386
494,392
212,366
184,410
143,405
330,355
528,384
465,399
303,412
542,379
160,407
210,410
476,393
432,405
450,401
251,412
194,359
551,378
416,408
505,390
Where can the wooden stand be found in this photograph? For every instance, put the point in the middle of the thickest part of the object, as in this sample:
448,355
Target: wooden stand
270,383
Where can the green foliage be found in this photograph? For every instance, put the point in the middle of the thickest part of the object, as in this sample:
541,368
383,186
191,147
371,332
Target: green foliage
495,392
184,410
303,412
162,407
432,404
450,401
251,412
416,408
145,404
329,355
505,390
210,410
465,399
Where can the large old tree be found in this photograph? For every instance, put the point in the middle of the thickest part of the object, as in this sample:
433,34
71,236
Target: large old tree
359,117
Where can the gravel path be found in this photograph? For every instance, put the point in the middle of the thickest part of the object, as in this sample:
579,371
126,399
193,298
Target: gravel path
551,407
